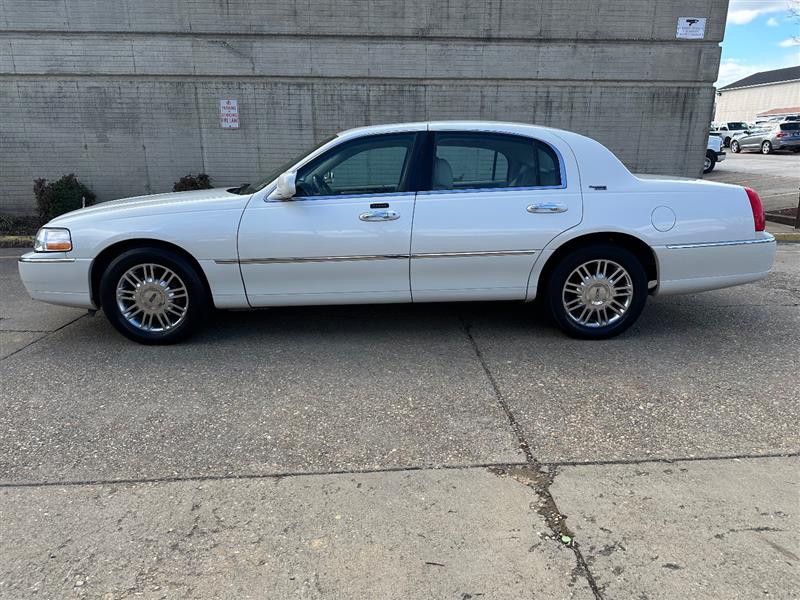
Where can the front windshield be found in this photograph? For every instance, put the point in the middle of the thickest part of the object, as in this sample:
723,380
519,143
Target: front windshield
252,188
737,126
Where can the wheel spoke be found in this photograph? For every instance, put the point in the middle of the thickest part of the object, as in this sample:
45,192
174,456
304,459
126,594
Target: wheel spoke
152,297
597,293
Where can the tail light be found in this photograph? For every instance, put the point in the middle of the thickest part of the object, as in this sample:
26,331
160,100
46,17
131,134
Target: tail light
781,134
757,208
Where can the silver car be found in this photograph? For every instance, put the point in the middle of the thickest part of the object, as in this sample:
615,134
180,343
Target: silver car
778,136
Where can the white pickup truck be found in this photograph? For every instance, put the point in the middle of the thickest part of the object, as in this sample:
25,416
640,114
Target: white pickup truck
714,153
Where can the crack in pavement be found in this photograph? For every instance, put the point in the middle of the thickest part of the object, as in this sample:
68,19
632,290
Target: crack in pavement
45,336
496,467
536,476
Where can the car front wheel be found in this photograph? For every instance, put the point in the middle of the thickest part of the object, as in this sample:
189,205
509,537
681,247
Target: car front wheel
735,147
766,148
709,162
597,292
153,296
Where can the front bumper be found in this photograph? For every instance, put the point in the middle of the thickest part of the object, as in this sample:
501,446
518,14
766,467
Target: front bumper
56,278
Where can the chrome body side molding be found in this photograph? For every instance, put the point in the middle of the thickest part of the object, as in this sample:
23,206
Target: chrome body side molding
766,240
304,259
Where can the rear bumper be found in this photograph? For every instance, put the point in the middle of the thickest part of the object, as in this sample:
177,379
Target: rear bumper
720,156
689,268
781,143
56,278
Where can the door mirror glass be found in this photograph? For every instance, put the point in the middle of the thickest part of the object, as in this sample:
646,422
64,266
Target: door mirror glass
285,189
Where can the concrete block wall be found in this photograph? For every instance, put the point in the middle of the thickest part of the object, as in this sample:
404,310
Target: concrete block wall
125,94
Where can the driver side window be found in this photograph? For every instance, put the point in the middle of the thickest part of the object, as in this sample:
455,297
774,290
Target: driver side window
372,165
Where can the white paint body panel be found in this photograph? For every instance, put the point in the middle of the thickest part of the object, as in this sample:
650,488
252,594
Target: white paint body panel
218,229
330,230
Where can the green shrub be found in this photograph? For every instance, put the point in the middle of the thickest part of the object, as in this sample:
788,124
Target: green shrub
60,196
18,224
201,181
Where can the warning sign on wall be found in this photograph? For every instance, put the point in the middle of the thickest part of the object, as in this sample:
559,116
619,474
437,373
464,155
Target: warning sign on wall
229,113
691,28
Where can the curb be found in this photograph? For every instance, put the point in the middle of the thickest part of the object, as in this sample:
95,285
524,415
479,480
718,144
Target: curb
787,237
16,241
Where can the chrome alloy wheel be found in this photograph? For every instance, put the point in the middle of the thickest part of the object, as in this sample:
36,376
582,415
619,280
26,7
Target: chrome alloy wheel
152,298
598,293
706,164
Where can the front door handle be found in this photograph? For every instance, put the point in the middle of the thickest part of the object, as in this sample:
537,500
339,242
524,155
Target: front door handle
547,207
379,215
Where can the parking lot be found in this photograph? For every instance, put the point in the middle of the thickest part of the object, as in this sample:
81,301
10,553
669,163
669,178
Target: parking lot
437,451
773,176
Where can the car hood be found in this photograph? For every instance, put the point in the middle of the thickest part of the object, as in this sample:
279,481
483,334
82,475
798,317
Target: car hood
174,202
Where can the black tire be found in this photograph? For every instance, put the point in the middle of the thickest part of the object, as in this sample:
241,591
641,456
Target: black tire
195,307
555,293
710,162
735,148
727,142
766,147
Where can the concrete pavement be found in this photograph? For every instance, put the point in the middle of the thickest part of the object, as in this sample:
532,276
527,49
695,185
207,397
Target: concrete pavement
773,176
350,452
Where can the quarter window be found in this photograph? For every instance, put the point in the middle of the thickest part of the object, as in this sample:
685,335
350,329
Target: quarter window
372,165
488,161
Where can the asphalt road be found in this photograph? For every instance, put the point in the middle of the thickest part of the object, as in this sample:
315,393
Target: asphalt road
776,177
426,451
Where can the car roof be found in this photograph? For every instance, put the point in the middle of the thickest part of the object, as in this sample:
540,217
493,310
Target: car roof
498,126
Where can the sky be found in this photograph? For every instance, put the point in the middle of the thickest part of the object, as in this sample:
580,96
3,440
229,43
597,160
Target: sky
760,35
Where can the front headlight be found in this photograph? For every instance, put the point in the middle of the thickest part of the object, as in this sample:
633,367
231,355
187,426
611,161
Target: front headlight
51,239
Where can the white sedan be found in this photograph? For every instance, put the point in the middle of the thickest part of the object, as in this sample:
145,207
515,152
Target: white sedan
417,212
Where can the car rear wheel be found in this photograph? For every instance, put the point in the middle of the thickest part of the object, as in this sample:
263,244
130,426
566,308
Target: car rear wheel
735,147
153,296
597,292
766,148
727,142
709,162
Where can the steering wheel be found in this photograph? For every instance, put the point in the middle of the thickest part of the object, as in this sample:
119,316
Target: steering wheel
322,188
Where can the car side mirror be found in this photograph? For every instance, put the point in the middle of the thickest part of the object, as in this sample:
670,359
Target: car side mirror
285,188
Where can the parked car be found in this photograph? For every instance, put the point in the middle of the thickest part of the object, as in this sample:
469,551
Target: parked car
714,153
777,136
725,130
419,212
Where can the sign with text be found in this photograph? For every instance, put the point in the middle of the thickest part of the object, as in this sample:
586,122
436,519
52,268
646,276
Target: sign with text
691,28
229,113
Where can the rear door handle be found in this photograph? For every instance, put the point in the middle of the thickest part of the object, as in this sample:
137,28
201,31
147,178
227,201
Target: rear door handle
379,215
547,207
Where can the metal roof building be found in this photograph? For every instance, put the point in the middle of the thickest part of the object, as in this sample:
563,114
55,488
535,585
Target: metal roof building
759,94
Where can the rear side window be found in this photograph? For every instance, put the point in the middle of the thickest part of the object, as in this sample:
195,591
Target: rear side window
790,126
467,160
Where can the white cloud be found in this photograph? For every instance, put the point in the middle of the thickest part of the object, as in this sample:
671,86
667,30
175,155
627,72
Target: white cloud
773,22
741,12
734,69
788,43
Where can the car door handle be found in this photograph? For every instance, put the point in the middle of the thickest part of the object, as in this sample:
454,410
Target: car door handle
379,215
547,207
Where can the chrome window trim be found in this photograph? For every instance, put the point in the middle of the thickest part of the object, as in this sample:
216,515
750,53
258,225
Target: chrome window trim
357,257
767,240
28,259
492,190
341,197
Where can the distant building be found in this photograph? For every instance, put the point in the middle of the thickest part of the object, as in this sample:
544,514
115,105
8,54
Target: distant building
769,92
